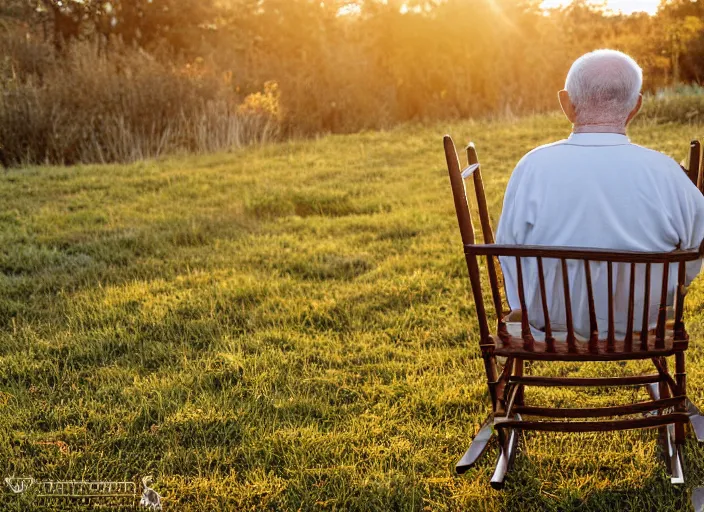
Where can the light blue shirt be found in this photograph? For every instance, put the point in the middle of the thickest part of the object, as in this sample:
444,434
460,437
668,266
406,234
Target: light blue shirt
597,190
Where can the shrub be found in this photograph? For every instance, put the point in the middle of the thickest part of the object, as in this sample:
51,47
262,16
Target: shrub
677,105
82,107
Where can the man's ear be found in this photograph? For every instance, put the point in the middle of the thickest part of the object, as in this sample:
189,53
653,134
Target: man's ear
567,105
635,111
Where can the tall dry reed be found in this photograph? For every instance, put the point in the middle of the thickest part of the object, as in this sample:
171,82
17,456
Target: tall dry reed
82,107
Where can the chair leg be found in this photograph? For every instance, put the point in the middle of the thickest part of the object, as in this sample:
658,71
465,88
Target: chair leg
508,446
520,397
696,420
478,447
666,435
671,451
507,454
674,454
698,499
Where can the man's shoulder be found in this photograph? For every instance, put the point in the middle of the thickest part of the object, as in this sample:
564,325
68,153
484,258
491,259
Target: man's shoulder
544,151
545,148
653,155
548,151
659,165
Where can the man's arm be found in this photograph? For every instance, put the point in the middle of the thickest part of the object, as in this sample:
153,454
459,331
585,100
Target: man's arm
517,217
690,203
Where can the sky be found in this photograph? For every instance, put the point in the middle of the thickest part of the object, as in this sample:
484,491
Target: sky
625,6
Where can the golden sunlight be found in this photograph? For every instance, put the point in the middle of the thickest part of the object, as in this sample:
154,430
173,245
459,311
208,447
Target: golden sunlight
618,6
349,9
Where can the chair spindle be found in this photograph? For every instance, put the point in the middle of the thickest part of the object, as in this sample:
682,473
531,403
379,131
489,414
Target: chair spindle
496,296
593,326
611,337
528,341
549,339
662,308
628,340
679,301
646,309
571,345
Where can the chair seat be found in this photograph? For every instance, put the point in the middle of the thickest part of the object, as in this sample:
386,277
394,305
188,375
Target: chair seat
514,346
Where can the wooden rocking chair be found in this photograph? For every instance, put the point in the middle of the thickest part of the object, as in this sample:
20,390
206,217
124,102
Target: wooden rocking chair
668,409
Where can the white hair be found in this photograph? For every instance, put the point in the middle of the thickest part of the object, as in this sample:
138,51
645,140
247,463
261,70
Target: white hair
603,86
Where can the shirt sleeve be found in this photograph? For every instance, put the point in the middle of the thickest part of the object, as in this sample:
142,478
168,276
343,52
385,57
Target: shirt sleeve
516,221
691,218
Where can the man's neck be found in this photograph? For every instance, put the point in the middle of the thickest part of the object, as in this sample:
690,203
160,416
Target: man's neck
599,128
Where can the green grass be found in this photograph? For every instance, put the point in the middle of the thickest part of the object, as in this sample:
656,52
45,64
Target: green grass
286,327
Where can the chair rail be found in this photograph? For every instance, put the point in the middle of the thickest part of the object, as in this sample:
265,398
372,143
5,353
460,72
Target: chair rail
594,426
582,253
599,412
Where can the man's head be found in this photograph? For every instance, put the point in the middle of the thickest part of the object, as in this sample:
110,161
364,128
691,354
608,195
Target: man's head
602,89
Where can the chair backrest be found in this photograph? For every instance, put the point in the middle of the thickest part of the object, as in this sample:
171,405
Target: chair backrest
636,338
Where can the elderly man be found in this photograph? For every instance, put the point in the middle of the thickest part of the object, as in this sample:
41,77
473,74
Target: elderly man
597,189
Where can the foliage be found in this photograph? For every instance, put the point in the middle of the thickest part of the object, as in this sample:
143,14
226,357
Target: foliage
266,104
677,105
135,22
288,327
129,106
347,65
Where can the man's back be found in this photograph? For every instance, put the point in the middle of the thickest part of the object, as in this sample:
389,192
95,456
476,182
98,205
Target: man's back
597,190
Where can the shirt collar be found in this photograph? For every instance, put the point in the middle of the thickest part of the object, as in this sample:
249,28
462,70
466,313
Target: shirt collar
598,139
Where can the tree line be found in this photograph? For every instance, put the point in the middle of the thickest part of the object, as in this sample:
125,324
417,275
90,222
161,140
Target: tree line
346,65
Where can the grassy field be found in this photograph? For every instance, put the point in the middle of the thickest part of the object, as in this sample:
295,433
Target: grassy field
287,328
